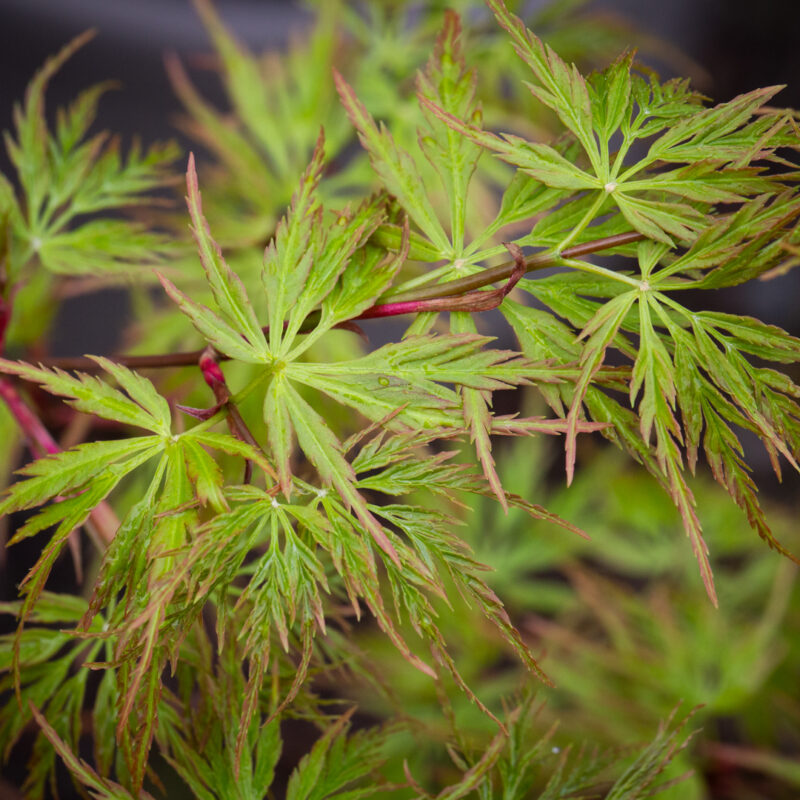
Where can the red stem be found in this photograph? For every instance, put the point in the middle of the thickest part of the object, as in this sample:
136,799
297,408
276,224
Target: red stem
215,378
39,438
457,295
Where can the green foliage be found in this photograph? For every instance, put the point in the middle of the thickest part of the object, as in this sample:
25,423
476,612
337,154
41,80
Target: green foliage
64,176
59,218
251,578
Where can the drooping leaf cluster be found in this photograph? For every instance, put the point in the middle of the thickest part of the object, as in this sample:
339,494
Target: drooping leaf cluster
334,496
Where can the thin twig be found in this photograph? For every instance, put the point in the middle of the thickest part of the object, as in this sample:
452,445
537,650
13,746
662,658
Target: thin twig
391,305
214,377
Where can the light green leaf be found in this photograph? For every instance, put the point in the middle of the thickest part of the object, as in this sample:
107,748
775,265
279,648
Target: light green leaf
226,443
139,389
540,161
560,87
336,761
340,245
447,83
601,330
288,258
279,431
703,134
215,330
227,287
478,416
428,362
395,167
378,396
639,780
369,274
62,472
68,515
93,396
103,246
610,93
657,220
325,452
204,473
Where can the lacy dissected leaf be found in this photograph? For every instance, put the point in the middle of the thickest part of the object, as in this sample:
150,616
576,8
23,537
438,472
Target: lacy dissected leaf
214,329
476,405
447,82
288,258
451,227
92,470
715,145
736,247
639,780
395,167
142,407
233,329
369,273
441,551
561,87
338,760
126,561
211,760
154,527
142,634
64,175
318,272
324,451
340,240
46,659
526,757
429,362
229,293
285,585
402,471
102,788
61,473
340,526
142,578
719,390
408,383
599,333
526,198
102,246
691,374
376,395
404,383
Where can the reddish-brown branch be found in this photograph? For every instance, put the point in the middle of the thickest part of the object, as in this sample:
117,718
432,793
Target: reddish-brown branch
215,378
503,271
461,294
39,438
102,520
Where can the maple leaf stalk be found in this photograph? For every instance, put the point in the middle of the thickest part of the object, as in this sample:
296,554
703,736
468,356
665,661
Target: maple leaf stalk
451,293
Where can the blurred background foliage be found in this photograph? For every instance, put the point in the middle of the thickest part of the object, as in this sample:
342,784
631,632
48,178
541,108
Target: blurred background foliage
624,627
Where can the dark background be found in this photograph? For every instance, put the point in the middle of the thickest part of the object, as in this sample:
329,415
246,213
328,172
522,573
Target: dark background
743,44
740,44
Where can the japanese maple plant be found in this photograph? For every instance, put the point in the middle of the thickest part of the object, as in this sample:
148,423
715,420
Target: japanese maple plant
260,487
